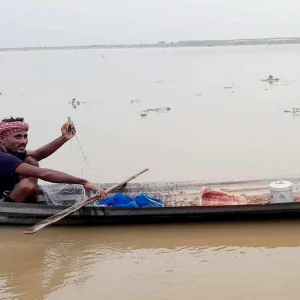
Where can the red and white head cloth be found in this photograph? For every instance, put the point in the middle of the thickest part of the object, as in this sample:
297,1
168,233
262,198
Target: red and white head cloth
8,128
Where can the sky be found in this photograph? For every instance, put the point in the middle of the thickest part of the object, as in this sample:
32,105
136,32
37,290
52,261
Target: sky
74,22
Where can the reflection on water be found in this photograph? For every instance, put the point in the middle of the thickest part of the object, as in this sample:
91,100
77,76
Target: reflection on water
163,261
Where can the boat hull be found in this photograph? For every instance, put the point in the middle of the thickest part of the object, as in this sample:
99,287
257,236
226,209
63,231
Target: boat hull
178,192
29,214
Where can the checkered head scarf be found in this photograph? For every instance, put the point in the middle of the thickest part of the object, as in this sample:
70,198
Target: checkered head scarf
11,126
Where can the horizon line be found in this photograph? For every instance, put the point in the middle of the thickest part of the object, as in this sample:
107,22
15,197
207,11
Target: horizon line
158,43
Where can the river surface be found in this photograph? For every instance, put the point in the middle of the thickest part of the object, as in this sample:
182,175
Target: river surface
224,123
211,261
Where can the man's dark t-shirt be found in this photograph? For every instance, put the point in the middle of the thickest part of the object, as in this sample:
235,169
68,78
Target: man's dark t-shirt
8,165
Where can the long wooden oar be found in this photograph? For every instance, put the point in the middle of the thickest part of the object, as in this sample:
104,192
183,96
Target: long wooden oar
35,228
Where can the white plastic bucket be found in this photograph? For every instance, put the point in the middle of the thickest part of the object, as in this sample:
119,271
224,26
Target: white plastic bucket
281,191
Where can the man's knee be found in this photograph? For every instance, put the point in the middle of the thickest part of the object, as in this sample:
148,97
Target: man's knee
28,187
25,191
32,161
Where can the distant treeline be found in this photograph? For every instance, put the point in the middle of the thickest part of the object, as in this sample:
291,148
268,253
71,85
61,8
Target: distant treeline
163,44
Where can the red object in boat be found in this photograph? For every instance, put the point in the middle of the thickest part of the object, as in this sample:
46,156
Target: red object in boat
211,197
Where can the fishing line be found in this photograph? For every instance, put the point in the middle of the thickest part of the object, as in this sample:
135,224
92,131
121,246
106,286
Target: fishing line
82,152
74,193
85,158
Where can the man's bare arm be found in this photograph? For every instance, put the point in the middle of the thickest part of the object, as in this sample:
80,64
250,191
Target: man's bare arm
48,149
48,174
56,177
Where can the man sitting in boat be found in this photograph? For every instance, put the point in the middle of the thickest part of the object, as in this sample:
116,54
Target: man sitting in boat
19,168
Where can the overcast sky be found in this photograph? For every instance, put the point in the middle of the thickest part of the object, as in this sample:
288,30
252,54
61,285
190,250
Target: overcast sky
78,22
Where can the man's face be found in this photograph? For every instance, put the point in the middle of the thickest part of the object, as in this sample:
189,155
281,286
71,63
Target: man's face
16,142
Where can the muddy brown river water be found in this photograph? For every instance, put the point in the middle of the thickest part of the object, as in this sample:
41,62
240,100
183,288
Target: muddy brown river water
224,123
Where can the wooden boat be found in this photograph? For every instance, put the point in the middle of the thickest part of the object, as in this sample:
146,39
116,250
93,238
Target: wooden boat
179,197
